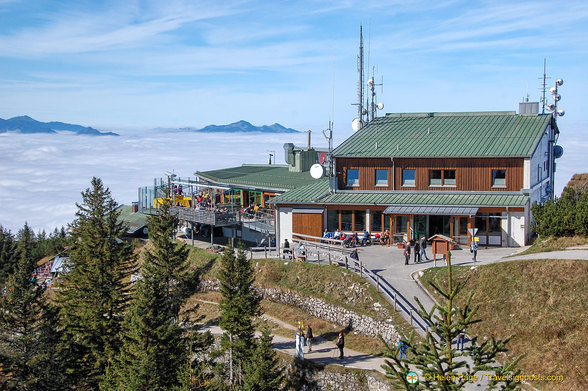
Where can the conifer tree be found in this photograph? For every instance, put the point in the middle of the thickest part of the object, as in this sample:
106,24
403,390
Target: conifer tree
7,254
28,336
239,305
440,366
155,348
94,293
263,372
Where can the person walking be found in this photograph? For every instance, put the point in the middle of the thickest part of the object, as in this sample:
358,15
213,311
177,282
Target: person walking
406,253
403,349
309,338
417,251
460,340
423,249
474,248
340,344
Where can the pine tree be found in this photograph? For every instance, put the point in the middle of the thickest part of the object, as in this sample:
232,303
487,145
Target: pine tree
239,305
94,294
28,336
155,349
8,257
263,372
441,366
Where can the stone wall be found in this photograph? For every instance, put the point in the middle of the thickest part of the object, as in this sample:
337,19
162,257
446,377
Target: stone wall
362,324
308,378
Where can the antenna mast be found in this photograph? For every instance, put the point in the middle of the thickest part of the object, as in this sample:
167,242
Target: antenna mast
360,70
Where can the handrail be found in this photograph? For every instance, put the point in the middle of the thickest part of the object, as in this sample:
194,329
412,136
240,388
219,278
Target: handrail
389,292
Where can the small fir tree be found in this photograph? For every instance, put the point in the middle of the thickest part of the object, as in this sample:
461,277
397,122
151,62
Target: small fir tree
239,305
263,372
28,336
94,294
440,366
155,347
8,257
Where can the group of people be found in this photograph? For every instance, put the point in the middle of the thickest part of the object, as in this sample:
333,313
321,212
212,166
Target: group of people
349,240
420,251
303,340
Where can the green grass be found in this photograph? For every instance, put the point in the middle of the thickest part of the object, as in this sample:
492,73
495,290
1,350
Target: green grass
542,245
543,302
333,284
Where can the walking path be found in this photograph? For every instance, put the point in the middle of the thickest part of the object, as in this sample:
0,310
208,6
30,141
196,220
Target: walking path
388,264
323,351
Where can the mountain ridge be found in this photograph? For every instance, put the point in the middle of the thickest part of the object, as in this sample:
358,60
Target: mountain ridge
27,125
244,127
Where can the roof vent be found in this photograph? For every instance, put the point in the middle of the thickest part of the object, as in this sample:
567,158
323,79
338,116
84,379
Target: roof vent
529,108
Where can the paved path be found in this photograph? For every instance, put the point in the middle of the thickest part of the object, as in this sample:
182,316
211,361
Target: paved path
324,351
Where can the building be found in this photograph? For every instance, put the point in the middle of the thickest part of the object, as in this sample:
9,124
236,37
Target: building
422,174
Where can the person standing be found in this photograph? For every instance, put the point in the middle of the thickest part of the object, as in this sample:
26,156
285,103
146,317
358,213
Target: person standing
460,340
423,249
340,344
300,344
474,248
406,253
286,249
309,338
417,251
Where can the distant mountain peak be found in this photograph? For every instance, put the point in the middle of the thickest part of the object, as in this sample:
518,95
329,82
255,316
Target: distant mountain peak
244,126
25,124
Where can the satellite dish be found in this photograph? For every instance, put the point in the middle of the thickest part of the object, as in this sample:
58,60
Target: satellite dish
552,90
316,171
380,106
323,158
356,124
558,151
561,112
371,82
559,82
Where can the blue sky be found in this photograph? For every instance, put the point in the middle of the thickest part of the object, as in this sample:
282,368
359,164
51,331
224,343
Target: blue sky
193,63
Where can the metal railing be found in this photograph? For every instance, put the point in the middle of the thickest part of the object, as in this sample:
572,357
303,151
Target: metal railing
337,253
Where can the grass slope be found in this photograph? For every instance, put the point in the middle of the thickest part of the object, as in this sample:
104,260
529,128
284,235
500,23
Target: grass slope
543,302
332,284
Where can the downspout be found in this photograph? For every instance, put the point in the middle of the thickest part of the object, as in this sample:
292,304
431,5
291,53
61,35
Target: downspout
393,175
508,230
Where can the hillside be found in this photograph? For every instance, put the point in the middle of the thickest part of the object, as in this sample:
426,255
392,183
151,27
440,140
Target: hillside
243,127
27,125
543,302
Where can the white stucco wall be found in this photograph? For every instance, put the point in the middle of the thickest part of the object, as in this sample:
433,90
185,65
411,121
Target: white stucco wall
284,224
518,234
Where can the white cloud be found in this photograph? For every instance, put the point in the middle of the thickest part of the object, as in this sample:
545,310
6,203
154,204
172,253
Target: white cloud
41,176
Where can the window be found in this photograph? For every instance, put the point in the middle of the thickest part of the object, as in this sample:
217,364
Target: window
441,177
449,178
346,218
332,220
359,220
376,220
408,177
353,177
499,178
381,177
400,224
494,224
480,223
435,178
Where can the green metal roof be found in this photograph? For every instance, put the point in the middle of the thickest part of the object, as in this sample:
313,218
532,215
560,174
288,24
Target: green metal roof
259,176
134,220
318,194
457,135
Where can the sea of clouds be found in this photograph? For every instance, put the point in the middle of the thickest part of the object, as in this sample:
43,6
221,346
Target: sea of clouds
42,175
